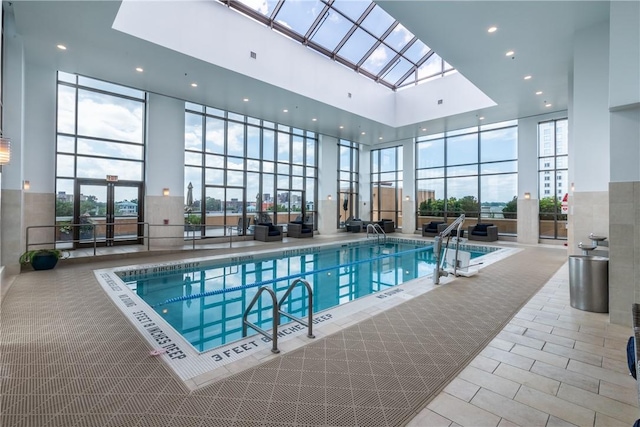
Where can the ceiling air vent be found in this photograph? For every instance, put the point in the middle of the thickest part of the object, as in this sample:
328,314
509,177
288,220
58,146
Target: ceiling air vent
439,101
254,55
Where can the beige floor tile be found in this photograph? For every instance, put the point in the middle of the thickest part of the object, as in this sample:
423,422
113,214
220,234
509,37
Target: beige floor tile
615,343
553,405
531,325
557,422
484,363
514,329
619,378
557,323
574,334
574,378
549,337
489,381
508,357
616,365
542,356
605,333
619,353
540,314
590,358
429,418
524,316
506,423
622,394
610,407
462,389
511,410
522,340
530,379
605,421
461,412
501,344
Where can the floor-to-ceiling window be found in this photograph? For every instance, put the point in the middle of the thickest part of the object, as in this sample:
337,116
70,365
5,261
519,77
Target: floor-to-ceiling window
99,161
386,184
241,170
471,171
553,175
348,182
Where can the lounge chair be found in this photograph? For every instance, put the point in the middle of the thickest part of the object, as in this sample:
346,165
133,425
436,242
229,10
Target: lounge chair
432,228
483,232
299,230
267,232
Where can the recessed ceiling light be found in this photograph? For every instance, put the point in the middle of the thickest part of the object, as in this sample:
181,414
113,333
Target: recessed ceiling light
62,47
314,120
424,129
245,99
363,133
539,92
481,118
341,127
380,138
139,69
510,53
492,29
547,105
285,111
527,77
194,84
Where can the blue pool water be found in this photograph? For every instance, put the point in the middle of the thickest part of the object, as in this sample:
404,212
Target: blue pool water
206,306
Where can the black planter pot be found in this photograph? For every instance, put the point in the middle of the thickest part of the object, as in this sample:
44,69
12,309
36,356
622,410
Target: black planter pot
44,261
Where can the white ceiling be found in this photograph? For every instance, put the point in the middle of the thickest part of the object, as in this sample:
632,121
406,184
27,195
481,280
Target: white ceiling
540,32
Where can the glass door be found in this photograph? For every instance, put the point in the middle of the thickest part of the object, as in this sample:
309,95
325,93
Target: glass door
109,213
224,211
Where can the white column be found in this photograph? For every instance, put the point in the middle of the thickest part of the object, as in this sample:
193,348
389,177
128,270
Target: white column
408,212
165,169
589,137
624,133
13,109
327,185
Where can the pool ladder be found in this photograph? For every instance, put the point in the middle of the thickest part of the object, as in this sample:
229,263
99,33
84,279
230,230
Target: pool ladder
378,231
277,311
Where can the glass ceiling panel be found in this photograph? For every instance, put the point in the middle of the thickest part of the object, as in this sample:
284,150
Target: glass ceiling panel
431,67
351,8
299,15
398,38
377,21
378,59
401,67
417,51
338,22
263,7
357,46
332,30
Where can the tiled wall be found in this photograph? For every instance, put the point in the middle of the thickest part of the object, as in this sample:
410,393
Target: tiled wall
624,250
160,208
589,213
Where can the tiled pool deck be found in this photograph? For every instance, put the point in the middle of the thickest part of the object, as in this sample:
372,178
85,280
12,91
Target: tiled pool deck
70,358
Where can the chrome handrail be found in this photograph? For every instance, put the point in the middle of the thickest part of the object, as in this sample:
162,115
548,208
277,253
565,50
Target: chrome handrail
377,229
276,318
437,246
309,322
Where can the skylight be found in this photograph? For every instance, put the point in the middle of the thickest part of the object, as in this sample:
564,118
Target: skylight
356,33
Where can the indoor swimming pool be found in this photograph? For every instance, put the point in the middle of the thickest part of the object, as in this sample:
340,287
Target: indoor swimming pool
205,301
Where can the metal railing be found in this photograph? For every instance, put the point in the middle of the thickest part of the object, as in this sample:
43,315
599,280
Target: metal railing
277,311
308,323
437,248
90,235
378,231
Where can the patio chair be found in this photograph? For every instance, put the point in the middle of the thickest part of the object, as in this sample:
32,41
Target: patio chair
267,232
483,232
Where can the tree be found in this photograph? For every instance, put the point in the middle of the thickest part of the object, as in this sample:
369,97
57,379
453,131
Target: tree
64,208
510,209
549,207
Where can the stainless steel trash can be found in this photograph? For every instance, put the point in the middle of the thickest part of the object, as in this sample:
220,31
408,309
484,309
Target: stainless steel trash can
589,283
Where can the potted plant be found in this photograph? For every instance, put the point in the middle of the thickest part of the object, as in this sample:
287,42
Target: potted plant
43,259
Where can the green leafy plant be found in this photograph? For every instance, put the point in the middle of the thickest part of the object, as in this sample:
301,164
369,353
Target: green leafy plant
28,256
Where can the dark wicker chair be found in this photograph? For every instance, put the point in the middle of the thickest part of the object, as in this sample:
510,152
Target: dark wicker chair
267,232
433,228
299,230
483,232
387,225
